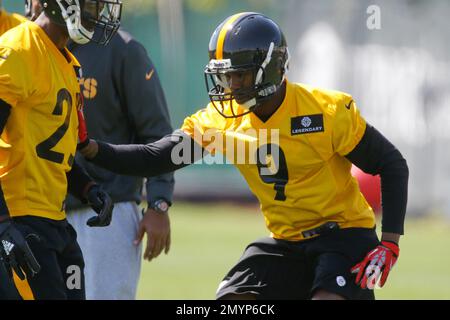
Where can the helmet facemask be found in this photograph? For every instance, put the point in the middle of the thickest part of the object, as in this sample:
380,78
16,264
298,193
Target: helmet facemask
108,21
218,84
267,78
86,20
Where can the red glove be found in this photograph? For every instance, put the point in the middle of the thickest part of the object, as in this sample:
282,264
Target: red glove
83,138
378,261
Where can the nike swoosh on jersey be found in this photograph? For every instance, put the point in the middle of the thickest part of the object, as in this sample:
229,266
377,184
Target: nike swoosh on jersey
348,106
149,75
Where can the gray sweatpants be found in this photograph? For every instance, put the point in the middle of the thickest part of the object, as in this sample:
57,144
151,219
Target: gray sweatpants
112,261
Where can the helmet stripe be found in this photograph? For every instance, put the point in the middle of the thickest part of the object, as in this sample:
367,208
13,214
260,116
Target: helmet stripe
223,32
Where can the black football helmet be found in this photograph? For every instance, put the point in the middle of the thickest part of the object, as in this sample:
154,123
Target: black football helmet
245,42
81,17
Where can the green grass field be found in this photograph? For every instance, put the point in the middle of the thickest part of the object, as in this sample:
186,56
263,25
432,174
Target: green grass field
208,239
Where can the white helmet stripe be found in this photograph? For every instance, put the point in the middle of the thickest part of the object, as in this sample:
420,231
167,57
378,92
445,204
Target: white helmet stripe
264,64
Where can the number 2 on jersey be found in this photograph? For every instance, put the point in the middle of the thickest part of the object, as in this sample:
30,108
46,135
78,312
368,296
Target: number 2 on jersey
43,149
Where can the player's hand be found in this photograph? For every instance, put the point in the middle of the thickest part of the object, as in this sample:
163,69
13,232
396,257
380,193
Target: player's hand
102,203
89,150
15,253
378,262
157,227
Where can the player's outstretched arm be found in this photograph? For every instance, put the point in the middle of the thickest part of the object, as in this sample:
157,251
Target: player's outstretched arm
174,151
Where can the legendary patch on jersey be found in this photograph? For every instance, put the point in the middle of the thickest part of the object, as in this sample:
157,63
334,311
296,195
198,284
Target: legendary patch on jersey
307,124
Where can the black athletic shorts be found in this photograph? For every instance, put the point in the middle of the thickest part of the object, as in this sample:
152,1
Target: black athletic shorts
280,269
59,255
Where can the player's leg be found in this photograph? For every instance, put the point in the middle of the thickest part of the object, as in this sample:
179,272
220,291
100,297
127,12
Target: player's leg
71,263
112,261
268,269
45,244
334,255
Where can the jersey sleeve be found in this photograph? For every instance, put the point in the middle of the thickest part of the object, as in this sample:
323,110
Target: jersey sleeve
13,78
348,125
204,124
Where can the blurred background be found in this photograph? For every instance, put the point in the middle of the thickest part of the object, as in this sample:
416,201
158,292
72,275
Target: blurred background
392,56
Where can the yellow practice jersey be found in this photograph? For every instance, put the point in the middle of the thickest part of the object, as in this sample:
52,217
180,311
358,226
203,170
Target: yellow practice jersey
39,140
294,162
9,21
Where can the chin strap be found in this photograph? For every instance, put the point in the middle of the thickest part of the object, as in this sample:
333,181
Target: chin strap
248,104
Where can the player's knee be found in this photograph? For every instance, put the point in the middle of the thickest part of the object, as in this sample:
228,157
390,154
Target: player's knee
326,295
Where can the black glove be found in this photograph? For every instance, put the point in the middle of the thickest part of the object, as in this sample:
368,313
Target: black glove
102,203
15,252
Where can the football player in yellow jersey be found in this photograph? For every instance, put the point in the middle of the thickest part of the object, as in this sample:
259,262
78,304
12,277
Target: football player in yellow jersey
9,20
295,145
40,124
